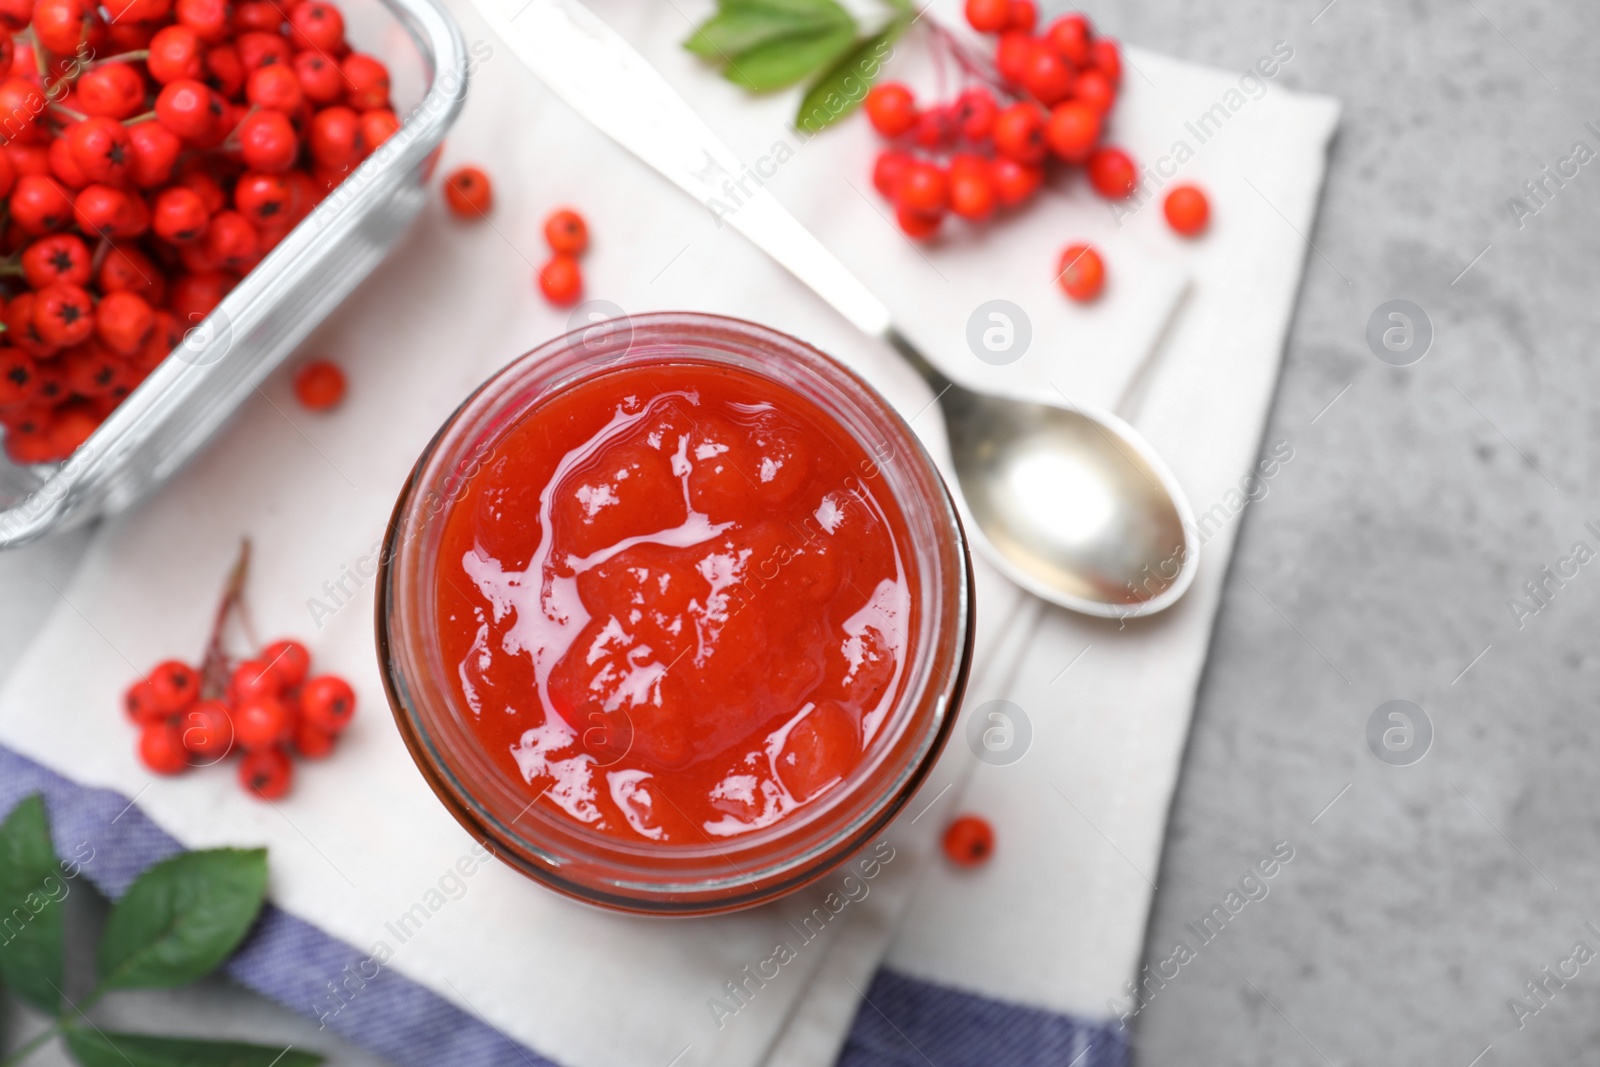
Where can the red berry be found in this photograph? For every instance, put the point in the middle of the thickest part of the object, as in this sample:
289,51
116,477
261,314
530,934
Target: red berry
468,193
311,742
1069,36
252,680
974,114
989,16
335,138
106,211
225,70
566,232
1019,132
64,166
968,841
155,153
319,385
266,200
560,280
319,77
261,722
259,49
19,378
161,748
890,167
1012,54
366,81
924,189
21,103
891,109
1187,210
197,294
377,126
63,314
1095,89
207,18
1107,59
123,322
207,730
935,129
915,224
1072,130
115,90
176,685
275,87
267,141
61,257
176,52
328,703
266,773
189,109
91,370
73,423
972,191
102,149
180,215
289,660
1112,173
317,26
261,16
1024,16
1082,274
1047,77
60,25
39,204
1015,182
141,704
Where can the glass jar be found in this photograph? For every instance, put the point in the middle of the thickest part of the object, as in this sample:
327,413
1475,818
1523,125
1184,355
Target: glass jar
492,801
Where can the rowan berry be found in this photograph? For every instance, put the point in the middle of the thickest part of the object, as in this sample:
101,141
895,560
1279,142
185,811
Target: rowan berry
319,385
566,232
1187,210
328,703
968,841
161,748
1081,273
1112,173
468,192
561,280
266,773
891,109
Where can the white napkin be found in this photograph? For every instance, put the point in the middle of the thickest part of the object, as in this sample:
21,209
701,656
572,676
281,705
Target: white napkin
361,838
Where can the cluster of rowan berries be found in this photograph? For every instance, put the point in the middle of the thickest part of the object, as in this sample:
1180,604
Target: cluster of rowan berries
154,152
268,709
1052,97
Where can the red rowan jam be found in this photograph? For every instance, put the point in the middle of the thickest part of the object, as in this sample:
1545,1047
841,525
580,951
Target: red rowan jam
675,602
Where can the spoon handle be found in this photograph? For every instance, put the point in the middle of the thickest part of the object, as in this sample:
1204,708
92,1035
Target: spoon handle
603,78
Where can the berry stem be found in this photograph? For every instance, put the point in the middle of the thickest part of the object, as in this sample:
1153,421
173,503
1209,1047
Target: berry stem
148,116
75,116
214,668
122,57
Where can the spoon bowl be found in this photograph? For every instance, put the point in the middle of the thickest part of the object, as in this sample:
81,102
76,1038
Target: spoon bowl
1072,504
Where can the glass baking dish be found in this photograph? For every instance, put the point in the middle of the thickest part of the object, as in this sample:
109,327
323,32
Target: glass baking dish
186,400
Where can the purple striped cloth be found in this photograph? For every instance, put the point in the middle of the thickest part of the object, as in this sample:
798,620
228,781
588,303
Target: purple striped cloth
902,1023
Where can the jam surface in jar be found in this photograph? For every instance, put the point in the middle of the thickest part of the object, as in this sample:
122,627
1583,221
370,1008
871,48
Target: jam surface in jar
676,602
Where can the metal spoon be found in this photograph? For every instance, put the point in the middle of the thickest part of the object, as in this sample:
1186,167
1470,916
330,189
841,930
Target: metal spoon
1068,501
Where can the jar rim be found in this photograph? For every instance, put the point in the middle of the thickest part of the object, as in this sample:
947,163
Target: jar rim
645,876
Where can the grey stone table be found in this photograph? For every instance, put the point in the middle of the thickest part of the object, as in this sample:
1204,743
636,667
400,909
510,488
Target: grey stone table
1384,565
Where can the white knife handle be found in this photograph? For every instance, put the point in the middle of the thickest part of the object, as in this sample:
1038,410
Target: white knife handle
603,78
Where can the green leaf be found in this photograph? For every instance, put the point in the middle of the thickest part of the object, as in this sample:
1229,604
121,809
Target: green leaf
780,63
31,891
734,30
99,1048
769,44
182,917
840,89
